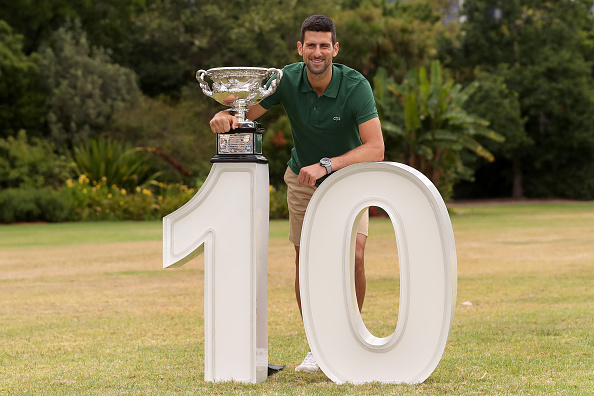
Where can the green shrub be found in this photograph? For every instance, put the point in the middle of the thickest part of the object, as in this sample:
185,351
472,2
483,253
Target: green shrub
278,203
32,205
31,163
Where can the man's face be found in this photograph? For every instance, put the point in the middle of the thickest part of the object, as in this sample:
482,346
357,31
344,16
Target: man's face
317,51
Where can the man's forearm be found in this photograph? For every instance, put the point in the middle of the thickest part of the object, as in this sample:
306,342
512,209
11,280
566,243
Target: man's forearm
368,152
372,149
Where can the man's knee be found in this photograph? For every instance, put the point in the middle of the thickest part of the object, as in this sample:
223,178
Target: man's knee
360,250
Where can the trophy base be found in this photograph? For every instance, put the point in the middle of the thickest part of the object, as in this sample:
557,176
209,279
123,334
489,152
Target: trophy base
257,158
243,144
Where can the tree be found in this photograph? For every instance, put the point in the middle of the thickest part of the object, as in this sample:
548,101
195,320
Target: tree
396,36
170,39
105,21
86,88
543,50
434,127
496,103
22,99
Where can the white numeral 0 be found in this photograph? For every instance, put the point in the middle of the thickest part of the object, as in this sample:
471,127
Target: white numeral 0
345,350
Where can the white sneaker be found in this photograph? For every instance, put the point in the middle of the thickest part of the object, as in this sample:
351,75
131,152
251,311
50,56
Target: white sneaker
309,364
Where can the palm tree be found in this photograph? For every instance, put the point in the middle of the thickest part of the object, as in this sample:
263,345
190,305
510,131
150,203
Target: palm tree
426,125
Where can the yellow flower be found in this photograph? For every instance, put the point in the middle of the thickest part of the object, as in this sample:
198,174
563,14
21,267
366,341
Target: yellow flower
123,191
84,190
147,192
137,189
109,196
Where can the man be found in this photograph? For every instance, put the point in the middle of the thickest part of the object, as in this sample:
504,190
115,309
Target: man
334,123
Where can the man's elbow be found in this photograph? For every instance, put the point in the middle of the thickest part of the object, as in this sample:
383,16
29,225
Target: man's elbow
379,152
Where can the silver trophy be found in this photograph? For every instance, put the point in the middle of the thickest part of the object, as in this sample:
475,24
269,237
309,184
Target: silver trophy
239,87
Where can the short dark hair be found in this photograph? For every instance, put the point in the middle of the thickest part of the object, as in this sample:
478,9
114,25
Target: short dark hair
318,23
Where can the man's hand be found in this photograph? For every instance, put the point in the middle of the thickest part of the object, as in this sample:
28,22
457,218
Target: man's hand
310,174
223,122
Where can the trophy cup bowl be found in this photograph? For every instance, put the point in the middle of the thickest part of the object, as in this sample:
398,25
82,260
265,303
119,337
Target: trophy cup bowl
239,87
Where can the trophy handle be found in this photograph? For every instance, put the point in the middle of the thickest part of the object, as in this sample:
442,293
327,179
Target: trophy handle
203,84
269,73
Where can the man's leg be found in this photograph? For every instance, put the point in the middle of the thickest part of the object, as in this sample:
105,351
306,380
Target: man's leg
297,291
360,281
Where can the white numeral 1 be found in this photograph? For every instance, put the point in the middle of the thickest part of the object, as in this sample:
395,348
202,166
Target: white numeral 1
228,220
345,350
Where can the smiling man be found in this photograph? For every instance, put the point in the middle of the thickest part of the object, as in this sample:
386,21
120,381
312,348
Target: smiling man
334,123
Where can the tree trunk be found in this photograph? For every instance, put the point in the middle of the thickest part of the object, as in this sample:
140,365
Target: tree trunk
411,159
436,176
517,189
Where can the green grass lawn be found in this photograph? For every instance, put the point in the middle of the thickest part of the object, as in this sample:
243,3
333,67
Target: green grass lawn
86,309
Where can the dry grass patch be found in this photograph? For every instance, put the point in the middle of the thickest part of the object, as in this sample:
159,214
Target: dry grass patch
85,308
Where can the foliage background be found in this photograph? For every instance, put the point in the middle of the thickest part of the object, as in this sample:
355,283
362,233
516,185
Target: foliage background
76,71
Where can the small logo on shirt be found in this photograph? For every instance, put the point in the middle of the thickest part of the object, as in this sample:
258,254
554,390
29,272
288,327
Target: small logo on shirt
336,118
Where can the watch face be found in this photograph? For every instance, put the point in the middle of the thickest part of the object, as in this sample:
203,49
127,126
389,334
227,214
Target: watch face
325,161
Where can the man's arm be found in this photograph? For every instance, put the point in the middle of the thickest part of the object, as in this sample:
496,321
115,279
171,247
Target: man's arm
372,150
223,121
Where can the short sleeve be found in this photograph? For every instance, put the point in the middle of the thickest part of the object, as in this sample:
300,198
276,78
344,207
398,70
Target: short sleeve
363,102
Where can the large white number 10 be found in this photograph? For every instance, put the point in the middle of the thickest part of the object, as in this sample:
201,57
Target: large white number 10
230,216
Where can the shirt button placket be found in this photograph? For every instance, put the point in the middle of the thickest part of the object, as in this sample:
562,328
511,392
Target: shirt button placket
315,114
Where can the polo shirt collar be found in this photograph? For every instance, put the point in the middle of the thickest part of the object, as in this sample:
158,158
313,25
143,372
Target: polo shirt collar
332,90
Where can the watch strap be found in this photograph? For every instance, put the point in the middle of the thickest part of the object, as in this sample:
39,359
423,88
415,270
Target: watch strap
326,163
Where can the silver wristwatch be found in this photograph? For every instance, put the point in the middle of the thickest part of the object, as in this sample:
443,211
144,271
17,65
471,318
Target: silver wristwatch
326,163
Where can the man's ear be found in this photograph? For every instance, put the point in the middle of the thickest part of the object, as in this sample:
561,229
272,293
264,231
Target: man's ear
335,49
300,48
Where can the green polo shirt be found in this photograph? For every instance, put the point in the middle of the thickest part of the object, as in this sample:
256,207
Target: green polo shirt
325,126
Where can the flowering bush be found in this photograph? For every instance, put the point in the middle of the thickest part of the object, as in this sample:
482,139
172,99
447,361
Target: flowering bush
278,203
98,201
93,200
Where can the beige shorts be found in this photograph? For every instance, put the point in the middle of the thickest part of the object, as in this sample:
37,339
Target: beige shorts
298,196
